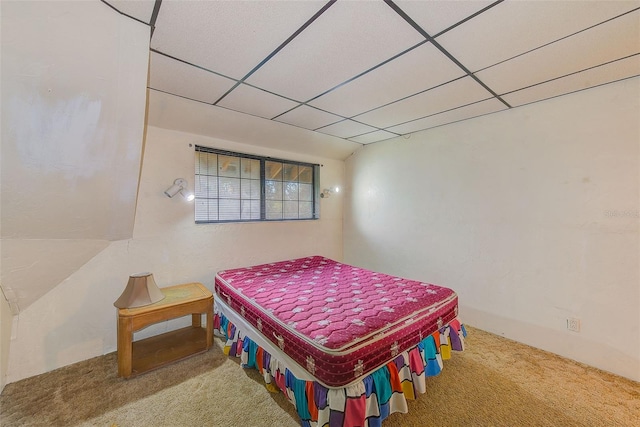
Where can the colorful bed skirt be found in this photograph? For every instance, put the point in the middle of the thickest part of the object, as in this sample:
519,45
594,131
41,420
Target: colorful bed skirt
365,402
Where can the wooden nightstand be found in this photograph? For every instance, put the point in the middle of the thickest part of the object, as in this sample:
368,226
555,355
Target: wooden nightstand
151,353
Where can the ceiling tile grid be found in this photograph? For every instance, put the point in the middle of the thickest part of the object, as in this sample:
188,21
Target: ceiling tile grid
172,76
438,15
367,71
514,27
607,42
445,97
308,117
257,102
229,37
347,39
421,68
347,129
596,76
376,136
140,9
476,109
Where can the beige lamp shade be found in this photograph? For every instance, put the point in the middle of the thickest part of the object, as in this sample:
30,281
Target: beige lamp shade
141,290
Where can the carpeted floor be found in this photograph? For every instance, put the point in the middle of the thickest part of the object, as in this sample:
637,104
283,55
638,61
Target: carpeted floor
494,382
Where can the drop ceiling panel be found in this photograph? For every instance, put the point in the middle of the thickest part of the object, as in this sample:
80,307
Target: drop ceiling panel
514,27
617,70
178,78
377,136
139,9
613,40
360,60
308,118
451,95
349,38
230,37
346,129
477,109
422,68
436,16
256,102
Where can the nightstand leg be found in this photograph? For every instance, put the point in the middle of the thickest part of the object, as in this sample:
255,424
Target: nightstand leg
209,328
125,338
196,320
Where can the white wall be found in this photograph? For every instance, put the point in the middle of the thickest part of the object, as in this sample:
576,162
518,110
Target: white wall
6,318
531,215
76,320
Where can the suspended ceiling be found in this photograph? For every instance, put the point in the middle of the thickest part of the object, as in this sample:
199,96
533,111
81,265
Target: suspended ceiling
366,71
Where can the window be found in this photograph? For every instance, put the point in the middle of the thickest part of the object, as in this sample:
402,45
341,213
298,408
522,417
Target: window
235,187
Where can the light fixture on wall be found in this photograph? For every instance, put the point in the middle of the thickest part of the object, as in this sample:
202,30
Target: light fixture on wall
179,186
141,290
329,191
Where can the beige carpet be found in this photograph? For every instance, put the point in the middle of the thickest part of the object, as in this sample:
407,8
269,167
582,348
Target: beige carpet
495,382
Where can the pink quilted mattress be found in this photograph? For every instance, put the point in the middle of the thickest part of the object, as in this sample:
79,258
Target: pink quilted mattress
338,321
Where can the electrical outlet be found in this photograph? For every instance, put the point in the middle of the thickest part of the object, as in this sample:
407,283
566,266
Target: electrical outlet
573,324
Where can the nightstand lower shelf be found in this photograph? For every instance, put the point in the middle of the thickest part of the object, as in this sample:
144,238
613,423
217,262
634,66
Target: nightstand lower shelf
160,350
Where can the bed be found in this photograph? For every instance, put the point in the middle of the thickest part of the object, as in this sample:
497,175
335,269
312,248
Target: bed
347,346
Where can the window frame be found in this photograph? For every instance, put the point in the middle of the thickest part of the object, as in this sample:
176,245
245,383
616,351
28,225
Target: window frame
315,182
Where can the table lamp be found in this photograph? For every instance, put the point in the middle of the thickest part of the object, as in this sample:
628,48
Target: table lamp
141,290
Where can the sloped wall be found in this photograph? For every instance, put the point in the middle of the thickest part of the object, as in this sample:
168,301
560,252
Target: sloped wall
532,215
73,105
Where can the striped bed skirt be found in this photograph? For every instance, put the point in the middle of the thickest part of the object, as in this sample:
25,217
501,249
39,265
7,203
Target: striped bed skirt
366,402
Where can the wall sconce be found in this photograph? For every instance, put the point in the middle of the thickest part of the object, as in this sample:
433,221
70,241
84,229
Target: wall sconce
141,290
329,191
179,186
